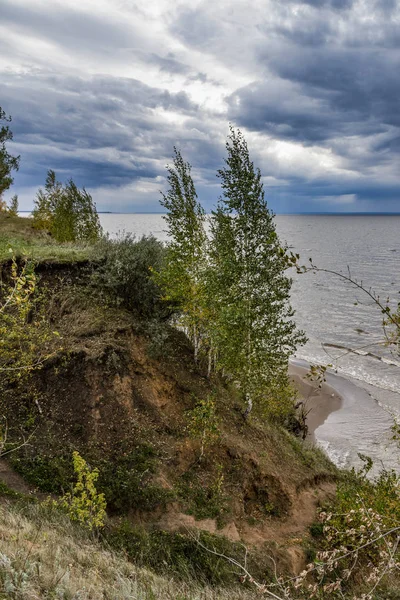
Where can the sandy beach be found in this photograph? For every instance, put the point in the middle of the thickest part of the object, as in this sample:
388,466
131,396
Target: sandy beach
319,402
345,419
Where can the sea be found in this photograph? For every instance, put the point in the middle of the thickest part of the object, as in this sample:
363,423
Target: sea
343,324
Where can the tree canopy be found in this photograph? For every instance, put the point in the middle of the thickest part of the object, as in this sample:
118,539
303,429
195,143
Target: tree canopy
232,288
67,212
8,162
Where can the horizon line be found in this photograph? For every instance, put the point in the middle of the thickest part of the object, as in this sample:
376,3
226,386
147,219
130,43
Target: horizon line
288,214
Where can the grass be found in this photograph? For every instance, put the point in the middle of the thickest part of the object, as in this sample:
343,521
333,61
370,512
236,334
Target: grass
19,238
44,555
6,491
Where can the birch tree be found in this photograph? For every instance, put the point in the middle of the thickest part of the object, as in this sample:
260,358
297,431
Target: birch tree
253,326
182,275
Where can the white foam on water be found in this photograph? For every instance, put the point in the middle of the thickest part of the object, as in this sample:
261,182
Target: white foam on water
340,459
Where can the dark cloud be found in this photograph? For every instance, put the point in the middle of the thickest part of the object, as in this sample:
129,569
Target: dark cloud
168,63
334,4
316,81
56,117
102,130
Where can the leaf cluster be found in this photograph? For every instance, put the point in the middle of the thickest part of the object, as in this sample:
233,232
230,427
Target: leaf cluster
203,422
67,212
125,275
84,504
8,162
26,338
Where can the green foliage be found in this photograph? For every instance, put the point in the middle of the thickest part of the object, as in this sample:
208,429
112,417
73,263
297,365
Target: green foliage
67,212
203,423
126,275
84,504
203,499
49,472
125,480
358,538
179,554
13,206
181,276
26,339
158,333
46,202
248,289
8,162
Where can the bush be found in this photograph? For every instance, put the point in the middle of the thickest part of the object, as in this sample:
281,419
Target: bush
180,554
84,504
125,480
126,275
49,472
358,539
26,338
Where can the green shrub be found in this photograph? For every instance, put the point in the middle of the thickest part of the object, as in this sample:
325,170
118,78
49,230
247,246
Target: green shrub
49,472
124,480
12,209
84,504
204,500
180,554
26,338
126,275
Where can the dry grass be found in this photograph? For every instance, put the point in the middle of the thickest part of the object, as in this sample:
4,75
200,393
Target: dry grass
43,555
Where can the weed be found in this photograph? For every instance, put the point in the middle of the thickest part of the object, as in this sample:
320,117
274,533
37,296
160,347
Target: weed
205,500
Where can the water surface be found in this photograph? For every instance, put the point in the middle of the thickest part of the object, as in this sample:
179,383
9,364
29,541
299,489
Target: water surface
337,318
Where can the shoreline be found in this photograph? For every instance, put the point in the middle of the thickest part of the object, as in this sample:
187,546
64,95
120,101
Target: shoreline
346,420
320,402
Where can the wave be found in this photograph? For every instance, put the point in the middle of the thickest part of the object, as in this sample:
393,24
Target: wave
360,352
390,361
367,376
339,457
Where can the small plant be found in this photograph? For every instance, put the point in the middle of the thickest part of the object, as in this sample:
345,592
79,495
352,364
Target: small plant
26,339
84,504
204,499
203,423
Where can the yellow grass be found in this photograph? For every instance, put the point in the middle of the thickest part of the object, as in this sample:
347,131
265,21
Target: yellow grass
43,555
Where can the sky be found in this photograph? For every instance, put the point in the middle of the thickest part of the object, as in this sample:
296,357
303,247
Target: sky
101,91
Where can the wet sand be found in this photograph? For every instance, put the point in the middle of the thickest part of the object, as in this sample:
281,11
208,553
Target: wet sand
319,402
346,420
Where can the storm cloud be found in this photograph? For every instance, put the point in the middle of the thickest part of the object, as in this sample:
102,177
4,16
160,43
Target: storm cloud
102,91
